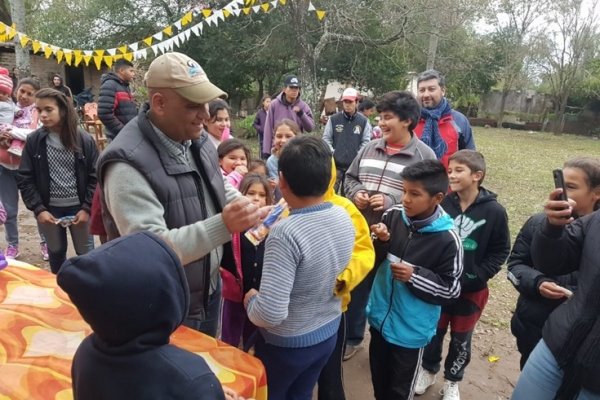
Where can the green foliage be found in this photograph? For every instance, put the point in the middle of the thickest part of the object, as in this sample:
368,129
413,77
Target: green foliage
243,127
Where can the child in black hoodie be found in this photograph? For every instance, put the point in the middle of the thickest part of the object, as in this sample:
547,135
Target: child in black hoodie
133,293
482,224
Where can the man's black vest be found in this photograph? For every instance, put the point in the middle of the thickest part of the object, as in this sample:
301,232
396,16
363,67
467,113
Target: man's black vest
347,135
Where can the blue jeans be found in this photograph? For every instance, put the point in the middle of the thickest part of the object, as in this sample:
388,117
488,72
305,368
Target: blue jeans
541,377
9,196
209,325
56,237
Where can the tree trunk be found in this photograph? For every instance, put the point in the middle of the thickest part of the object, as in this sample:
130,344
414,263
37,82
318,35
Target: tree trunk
23,64
433,43
557,117
500,117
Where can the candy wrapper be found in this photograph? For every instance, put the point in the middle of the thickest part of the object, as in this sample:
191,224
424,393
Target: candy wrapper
65,222
258,234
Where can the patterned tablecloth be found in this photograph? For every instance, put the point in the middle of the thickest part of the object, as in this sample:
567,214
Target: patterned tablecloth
40,329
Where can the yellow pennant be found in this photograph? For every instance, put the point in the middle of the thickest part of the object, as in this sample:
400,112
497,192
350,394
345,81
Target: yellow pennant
2,28
226,13
68,57
186,19
282,2
59,56
246,10
48,51
148,41
123,49
321,14
128,56
168,30
24,40
98,61
108,60
99,53
206,12
36,46
265,7
78,57
11,31
3,38
118,57
86,60
249,2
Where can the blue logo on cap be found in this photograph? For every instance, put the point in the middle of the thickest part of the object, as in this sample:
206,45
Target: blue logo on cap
194,69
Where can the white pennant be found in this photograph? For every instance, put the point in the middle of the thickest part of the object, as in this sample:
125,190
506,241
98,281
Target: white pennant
155,49
240,2
255,9
194,29
158,36
112,52
175,40
311,7
210,20
237,12
134,46
274,3
170,44
178,25
219,14
181,37
87,52
187,33
161,47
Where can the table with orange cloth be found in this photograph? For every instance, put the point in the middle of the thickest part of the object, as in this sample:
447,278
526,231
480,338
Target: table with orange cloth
40,330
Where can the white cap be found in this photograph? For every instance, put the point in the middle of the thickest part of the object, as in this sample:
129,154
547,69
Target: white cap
350,94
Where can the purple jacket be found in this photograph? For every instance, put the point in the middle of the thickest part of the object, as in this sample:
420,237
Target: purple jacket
280,109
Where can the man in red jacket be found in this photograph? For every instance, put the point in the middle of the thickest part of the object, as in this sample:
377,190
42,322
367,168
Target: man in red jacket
443,129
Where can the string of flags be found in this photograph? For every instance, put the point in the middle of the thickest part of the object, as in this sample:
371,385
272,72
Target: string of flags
161,42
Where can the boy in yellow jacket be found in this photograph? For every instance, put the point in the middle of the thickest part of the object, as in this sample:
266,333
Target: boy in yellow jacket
363,258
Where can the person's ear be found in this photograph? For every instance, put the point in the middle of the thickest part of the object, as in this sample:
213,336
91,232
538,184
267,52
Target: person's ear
283,185
596,196
477,176
157,103
438,197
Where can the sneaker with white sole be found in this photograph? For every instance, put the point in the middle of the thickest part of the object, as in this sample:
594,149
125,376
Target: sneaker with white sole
450,391
11,252
425,379
351,351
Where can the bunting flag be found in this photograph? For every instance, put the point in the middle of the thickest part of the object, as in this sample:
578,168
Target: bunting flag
162,41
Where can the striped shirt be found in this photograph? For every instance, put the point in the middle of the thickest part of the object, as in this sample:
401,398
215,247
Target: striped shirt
304,253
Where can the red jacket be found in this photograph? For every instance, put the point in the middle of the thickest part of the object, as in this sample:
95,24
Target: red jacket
455,131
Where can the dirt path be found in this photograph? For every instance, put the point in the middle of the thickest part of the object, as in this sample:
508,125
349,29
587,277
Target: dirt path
484,380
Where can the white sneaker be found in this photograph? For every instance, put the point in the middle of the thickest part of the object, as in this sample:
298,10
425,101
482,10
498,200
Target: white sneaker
450,391
425,379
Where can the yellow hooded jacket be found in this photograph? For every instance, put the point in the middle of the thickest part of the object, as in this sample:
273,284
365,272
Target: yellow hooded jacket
363,254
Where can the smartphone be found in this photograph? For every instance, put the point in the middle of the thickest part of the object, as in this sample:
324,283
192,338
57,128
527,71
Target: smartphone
559,182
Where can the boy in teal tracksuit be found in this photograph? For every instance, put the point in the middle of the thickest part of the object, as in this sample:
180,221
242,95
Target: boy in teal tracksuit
421,264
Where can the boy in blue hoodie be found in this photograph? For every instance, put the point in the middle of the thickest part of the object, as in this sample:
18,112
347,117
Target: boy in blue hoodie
420,256
133,293
482,225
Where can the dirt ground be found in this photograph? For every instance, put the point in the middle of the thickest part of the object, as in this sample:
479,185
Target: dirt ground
494,367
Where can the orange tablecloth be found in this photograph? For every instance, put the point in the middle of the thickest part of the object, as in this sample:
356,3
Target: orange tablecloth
40,329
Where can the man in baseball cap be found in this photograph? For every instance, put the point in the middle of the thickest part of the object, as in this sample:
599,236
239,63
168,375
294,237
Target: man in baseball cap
346,132
162,174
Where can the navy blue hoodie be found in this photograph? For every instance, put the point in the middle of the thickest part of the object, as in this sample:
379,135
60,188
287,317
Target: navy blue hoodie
133,292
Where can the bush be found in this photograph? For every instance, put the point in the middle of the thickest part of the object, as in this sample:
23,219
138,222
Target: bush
243,127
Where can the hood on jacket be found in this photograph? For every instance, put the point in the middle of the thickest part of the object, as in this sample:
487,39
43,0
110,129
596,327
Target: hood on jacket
132,291
112,76
483,196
